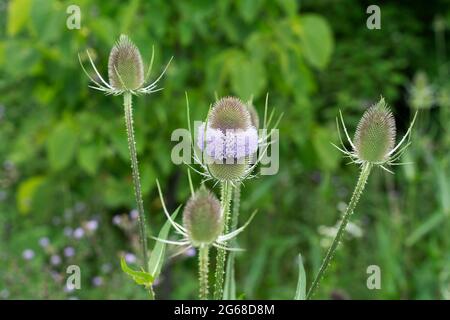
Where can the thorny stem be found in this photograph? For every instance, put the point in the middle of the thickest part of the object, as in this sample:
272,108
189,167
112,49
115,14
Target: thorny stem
234,223
203,266
127,103
227,190
236,207
364,175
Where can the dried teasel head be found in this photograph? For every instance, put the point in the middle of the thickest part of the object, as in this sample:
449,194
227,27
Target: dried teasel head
375,135
202,218
125,66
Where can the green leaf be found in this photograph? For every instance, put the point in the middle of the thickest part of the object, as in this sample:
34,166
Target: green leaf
18,15
317,40
229,291
434,221
327,155
156,260
300,293
26,192
249,9
89,158
140,277
248,77
61,146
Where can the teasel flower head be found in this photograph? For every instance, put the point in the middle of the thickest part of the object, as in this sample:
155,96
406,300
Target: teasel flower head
202,222
421,94
125,70
125,66
374,140
375,134
202,218
227,142
228,139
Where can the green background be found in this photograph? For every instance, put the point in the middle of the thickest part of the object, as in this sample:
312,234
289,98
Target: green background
64,157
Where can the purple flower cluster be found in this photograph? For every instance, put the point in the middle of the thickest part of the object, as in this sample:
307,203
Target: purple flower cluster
230,144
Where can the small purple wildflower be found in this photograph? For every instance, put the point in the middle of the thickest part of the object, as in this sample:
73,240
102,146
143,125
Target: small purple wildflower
69,251
190,252
134,214
28,254
78,233
97,281
117,220
92,225
130,258
44,242
55,260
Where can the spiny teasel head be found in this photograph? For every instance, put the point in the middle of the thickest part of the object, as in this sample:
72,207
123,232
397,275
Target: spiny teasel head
375,135
125,71
202,218
230,139
202,222
421,94
125,66
374,141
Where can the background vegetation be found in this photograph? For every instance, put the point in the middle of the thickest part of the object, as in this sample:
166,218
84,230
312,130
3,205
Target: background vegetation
65,182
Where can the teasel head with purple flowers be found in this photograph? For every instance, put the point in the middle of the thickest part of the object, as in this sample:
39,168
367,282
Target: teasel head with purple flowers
374,140
228,141
125,70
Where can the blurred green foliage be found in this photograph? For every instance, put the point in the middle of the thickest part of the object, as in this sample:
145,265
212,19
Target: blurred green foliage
65,162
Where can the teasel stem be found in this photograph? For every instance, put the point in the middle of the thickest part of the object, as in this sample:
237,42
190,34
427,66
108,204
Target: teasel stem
234,223
226,193
203,267
364,175
236,207
127,103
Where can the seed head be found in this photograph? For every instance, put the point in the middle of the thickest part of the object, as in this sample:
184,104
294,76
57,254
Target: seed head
375,134
125,66
202,217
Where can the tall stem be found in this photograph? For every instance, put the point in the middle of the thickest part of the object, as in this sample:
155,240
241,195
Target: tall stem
364,175
203,261
230,281
221,254
127,104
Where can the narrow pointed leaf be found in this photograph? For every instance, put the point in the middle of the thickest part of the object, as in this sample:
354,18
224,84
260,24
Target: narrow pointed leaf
229,291
156,260
300,294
